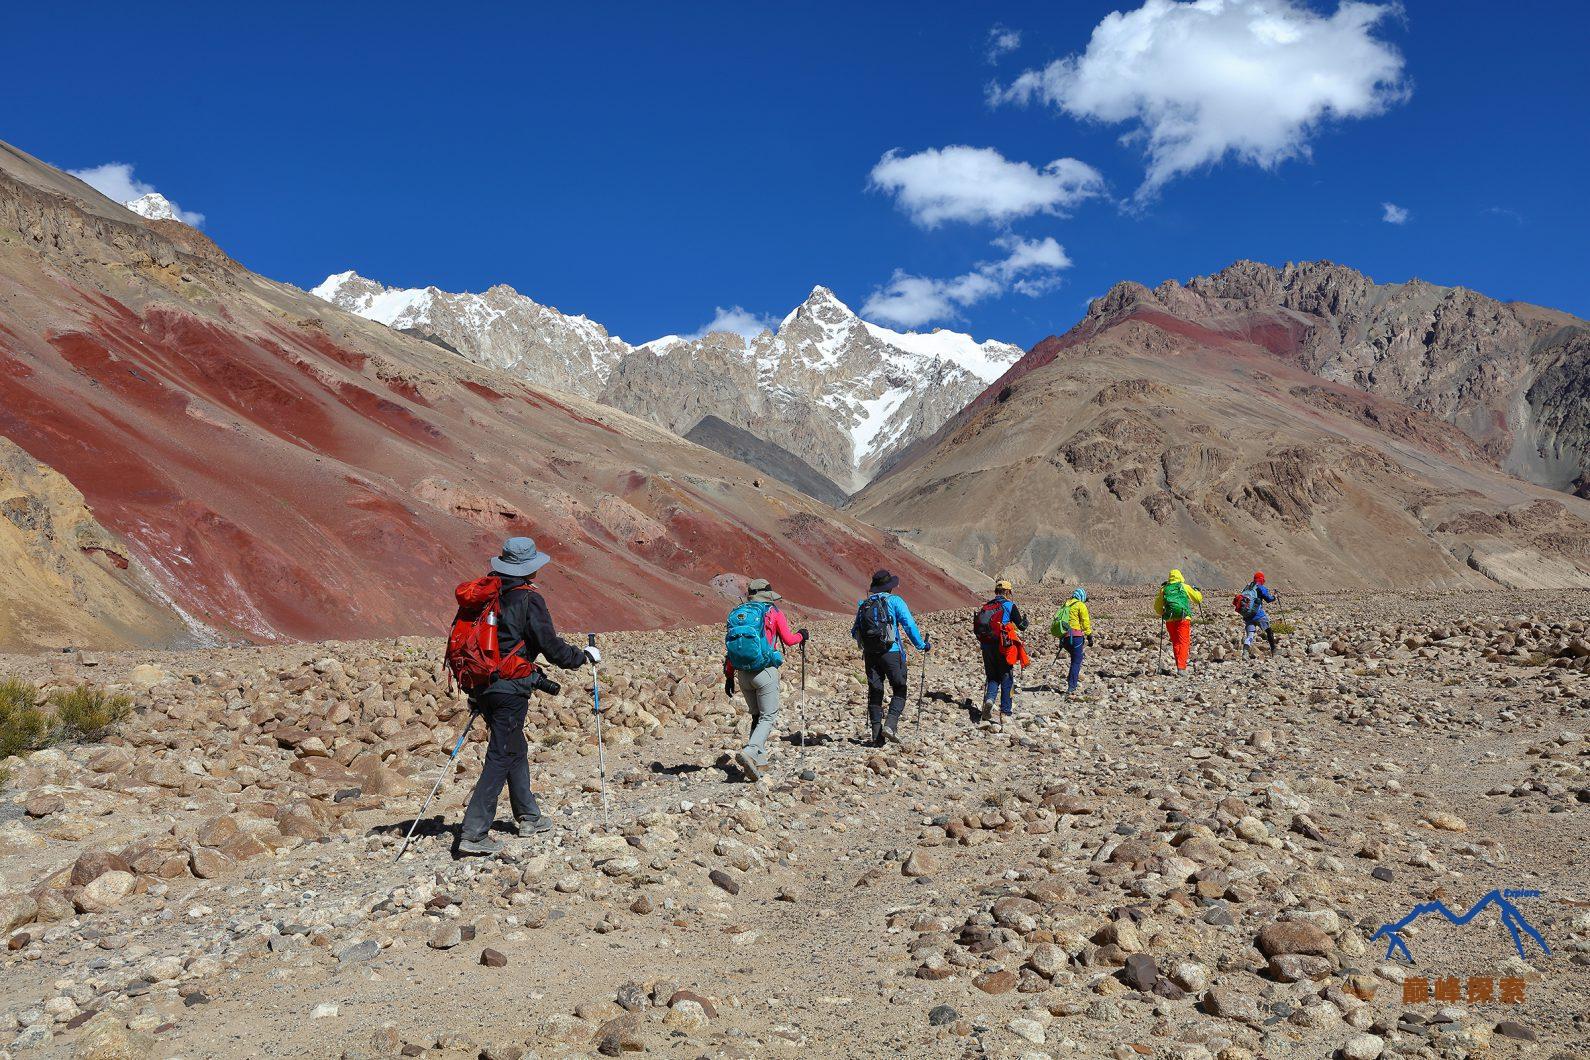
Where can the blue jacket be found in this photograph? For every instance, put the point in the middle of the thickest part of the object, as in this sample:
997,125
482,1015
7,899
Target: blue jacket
1259,618
902,622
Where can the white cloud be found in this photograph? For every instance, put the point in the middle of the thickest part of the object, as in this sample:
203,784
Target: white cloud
1393,214
1029,267
977,184
1002,40
737,320
115,180
1201,80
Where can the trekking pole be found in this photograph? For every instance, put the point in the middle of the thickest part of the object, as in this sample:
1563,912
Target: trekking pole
601,749
804,725
921,693
447,771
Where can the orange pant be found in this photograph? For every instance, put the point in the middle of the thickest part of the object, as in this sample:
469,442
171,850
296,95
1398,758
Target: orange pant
1180,632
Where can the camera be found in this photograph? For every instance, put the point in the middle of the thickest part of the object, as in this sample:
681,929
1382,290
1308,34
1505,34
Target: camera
542,683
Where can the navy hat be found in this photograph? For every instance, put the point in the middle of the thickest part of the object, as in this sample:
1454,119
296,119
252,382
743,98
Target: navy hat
883,582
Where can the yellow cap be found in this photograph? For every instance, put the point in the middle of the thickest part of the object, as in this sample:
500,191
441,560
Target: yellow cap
1003,586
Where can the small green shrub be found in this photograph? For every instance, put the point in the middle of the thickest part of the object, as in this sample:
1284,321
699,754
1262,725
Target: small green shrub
1282,628
87,713
23,726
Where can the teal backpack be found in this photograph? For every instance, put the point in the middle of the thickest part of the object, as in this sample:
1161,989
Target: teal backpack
745,638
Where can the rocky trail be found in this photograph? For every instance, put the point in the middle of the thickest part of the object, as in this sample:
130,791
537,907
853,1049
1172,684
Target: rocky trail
1164,867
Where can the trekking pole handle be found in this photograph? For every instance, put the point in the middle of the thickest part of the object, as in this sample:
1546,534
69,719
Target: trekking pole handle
596,688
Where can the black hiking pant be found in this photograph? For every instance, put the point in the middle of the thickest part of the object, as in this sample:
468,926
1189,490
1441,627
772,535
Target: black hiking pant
885,666
507,762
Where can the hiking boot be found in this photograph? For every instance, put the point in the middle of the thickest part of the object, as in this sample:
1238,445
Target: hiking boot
890,734
531,826
748,765
988,711
484,846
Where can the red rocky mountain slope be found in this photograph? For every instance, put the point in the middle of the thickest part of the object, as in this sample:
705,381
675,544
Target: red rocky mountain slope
274,467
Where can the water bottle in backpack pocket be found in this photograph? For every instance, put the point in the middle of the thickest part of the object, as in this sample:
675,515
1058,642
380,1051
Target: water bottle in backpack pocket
875,626
745,639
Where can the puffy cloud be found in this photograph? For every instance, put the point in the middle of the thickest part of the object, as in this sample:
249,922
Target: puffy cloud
115,180
1029,267
739,321
1198,81
1393,214
1002,40
978,184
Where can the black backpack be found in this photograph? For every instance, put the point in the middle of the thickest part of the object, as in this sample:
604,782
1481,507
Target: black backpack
875,629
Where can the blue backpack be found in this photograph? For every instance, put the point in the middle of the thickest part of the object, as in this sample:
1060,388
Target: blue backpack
745,639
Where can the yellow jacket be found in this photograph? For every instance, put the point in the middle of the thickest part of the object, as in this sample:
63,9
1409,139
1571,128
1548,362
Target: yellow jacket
1073,618
1196,597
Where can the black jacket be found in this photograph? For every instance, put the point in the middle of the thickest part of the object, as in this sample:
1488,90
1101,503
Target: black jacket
526,622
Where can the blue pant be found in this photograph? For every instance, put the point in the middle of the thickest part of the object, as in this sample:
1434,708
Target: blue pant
1073,646
1001,678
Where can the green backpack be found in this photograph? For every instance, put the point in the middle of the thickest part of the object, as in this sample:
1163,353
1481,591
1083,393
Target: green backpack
1061,626
1178,605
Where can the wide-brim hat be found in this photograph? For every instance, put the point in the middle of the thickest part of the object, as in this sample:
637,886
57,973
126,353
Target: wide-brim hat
761,589
883,581
520,558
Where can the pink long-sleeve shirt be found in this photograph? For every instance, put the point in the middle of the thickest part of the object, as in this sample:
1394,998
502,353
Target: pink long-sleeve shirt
778,631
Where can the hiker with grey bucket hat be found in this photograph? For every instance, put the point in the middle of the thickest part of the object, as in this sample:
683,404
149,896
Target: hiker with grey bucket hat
754,633
525,623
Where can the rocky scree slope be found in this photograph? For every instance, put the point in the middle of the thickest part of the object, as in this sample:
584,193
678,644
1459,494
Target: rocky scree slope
1514,377
1142,440
1191,867
834,391
281,468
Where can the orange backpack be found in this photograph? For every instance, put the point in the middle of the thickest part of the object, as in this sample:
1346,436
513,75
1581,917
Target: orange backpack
474,656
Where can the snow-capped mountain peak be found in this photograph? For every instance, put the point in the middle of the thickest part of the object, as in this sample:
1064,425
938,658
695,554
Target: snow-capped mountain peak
154,206
501,328
829,387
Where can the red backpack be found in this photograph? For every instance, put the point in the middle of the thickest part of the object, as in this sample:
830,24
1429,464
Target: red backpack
989,625
474,657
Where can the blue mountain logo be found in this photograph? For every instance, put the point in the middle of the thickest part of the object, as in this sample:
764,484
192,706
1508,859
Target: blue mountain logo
1516,923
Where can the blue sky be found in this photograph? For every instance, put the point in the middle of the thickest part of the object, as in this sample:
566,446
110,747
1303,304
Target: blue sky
646,164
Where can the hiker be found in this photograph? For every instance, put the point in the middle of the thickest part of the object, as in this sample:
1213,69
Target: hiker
1174,603
880,618
1072,624
1250,604
756,631
988,626
524,623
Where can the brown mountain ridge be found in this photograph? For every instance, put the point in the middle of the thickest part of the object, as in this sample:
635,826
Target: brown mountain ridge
1205,426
